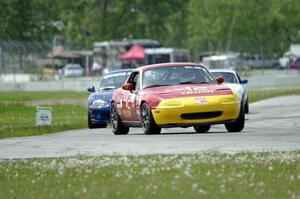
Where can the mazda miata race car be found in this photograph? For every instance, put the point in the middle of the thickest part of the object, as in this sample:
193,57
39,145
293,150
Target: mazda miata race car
175,95
99,100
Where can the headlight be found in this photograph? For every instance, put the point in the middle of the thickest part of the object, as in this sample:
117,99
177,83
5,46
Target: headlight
99,103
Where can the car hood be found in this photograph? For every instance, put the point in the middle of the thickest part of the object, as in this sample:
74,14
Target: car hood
103,95
177,91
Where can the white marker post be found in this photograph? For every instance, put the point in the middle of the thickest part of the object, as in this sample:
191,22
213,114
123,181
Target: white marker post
43,116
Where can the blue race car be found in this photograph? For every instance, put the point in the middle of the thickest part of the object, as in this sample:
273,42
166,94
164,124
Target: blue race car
99,100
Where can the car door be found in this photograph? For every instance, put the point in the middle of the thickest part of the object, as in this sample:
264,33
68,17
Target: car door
135,99
129,100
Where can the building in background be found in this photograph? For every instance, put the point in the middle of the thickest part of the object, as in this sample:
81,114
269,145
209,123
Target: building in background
106,52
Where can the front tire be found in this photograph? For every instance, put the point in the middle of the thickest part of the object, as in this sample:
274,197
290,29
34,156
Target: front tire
95,126
239,124
247,107
202,128
148,124
118,127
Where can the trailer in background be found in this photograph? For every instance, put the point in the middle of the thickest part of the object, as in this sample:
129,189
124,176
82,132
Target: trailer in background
164,55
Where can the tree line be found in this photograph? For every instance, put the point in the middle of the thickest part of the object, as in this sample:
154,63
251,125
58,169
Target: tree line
255,26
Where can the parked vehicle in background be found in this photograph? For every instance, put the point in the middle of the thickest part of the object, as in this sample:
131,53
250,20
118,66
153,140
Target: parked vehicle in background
260,61
233,80
224,60
174,95
284,62
99,100
73,70
165,55
233,60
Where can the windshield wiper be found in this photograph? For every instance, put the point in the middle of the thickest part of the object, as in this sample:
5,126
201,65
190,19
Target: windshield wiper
156,85
190,82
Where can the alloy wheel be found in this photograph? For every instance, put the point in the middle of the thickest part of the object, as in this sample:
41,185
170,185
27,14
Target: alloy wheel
114,118
145,119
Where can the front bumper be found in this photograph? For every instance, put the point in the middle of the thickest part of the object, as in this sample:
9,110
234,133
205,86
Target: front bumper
99,115
197,110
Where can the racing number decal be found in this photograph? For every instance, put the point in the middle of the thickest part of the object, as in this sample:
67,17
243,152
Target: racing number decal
128,104
124,104
128,98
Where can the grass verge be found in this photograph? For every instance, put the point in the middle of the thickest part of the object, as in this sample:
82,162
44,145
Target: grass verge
17,112
203,175
256,95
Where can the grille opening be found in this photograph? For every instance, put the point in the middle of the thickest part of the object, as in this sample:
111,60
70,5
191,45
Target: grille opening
203,115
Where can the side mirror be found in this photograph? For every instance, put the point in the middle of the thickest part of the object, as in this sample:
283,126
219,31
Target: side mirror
245,81
220,80
91,89
128,86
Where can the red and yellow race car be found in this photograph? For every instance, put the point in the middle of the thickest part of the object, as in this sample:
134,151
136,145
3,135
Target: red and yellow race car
175,95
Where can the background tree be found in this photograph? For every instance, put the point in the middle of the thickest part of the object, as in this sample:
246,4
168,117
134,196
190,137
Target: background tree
256,26
16,20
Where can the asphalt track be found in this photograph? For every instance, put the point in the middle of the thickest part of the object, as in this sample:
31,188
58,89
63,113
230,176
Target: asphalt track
272,125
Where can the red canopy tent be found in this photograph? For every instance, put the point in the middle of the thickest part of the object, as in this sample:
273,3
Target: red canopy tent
136,52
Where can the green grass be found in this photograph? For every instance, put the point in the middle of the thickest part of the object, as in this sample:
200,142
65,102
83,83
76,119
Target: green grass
17,114
203,175
17,118
21,96
256,95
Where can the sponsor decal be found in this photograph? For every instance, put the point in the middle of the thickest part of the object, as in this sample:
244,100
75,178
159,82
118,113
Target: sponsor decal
107,87
116,75
201,100
195,90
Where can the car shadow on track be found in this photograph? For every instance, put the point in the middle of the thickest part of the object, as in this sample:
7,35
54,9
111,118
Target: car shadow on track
193,133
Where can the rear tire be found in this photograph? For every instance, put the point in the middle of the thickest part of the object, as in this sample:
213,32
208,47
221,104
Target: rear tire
202,128
118,127
148,124
239,124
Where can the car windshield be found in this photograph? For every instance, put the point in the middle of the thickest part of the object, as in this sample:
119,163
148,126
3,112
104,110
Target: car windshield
228,77
113,80
173,75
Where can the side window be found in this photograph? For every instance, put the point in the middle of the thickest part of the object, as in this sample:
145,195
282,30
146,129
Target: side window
135,80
